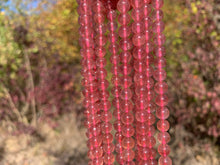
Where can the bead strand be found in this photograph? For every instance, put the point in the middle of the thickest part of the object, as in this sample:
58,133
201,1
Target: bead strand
113,48
106,116
90,83
126,106
161,100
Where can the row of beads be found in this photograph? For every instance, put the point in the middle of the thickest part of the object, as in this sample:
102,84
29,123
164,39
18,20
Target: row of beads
106,116
126,107
161,87
90,92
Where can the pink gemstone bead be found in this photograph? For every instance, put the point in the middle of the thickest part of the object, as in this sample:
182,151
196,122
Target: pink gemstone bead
107,138
144,153
148,162
137,14
124,19
109,158
161,87
106,127
160,75
164,150
123,6
163,137
165,161
95,141
118,126
162,100
137,3
96,161
126,106
124,31
128,155
125,57
157,4
125,44
108,148
95,153
163,125
144,129
127,118
162,113
158,27
127,130
146,141
139,53
126,94
128,143
138,27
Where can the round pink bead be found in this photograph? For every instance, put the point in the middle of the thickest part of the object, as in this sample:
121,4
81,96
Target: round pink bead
162,113
128,155
109,158
95,153
160,75
137,3
127,118
108,148
164,150
162,100
137,14
128,143
165,161
128,130
163,125
107,138
161,87
124,19
163,137
124,31
123,6
96,161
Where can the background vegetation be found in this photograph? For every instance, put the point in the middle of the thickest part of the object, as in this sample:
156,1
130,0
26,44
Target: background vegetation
40,71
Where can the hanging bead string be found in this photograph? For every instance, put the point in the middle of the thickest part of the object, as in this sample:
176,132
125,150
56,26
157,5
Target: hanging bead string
116,90
90,83
161,87
106,116
127,117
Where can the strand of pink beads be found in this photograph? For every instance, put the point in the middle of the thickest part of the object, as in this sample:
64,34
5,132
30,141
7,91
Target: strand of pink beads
116,90
106,116
126,104
160,88
89,82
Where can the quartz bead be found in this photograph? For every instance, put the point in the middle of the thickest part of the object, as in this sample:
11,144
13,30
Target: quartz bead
144,129
128,142
148,162
146,141
124,31
139,53
126,94
125,57
163,125
157,4
137,14
126,106
138,27
107,138
96,161
106,127
165,161
162,100
161,87
109,158
123,6
137,3
162,113
160,75
127,130
164,150
163,137
138,40
127,118
128,155
95,153
124,19
125,44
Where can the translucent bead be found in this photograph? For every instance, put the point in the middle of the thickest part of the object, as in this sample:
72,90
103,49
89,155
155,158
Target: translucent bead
124,31
127,118
99,18
138,40
153,153
126,106
126,94
119,159
162,113
161,87
105,105
100,52
112,15
164,150
113,48
159,40
160,51
116,91
165,161
118,147
160,63
144,153
123,6
96,161
148,24
109,158
144,129
146,141
94,130
163,137
137,14
116,79
106,127
125,44
100,28
118,136
148,162
149,83
140,104
108,148
139,66
158,27
125,57
128,143
138,27
128,155
147,10
139,78
126,81
163,125
107,138
126,69
157,15
98,7
137,3
162,100
95,153
127,130
139,53
124,19
160,75
118,126
157,4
